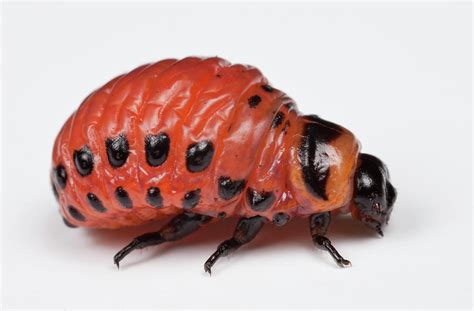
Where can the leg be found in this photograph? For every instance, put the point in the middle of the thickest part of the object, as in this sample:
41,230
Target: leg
246,230
179,227
319,224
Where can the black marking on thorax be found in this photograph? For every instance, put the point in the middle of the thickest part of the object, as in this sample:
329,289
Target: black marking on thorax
199,156
229,188
191,199
260,201
122,196
117,150
84,161
157,148
312,153
96,203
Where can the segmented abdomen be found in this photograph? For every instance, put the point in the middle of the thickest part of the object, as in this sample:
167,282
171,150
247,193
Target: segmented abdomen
196,134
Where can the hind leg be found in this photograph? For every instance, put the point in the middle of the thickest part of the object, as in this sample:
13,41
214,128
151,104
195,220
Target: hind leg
319,224
179,227
246,230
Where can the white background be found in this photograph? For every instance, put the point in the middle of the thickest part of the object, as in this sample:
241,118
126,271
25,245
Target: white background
397,75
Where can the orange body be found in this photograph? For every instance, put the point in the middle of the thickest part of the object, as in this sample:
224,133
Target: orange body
256,133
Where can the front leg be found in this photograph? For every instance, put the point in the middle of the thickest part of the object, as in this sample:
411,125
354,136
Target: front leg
319,224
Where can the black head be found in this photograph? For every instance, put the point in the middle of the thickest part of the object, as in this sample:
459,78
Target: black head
374,195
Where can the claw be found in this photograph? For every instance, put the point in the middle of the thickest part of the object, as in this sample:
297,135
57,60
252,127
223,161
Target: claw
117,262
207,268
125,251
343,263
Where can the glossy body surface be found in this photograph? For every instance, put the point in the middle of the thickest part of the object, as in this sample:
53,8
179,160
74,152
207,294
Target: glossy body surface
200,136
197,134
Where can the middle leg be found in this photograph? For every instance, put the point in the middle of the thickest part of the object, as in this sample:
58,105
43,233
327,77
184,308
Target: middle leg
246,230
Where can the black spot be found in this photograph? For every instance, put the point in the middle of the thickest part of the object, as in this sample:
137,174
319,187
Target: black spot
267,88
254,101
96,203
191,199
260,201
55,191
154,198
280,219
61,176
67,223
74,212
84,161
229,188
313,156
221,215
278,119
122,196
219,75
157,148
199,156
117,150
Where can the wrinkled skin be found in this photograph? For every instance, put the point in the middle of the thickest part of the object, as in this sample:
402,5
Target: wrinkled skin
199,139
267,158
